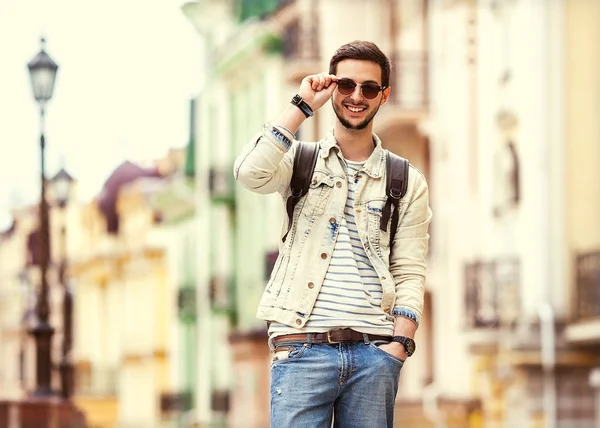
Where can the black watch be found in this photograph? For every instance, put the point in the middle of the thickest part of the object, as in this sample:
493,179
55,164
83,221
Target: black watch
302,105
409,345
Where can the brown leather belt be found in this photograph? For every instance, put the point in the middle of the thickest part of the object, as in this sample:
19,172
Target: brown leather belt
332,337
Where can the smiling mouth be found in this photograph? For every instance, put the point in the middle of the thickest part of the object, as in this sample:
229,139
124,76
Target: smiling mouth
355,109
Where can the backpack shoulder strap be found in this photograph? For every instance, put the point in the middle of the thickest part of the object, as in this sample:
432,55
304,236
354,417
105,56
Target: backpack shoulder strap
397,183
305,160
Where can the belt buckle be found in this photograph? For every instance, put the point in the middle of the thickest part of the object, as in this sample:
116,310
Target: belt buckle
329,338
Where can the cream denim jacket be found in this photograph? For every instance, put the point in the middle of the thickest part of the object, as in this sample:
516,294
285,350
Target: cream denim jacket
265,166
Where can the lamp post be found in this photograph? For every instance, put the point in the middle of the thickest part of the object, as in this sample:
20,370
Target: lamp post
61,189
43,72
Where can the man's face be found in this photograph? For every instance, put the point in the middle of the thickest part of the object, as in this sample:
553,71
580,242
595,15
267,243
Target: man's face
354,111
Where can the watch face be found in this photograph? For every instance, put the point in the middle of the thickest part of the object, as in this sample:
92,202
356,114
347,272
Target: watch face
408,343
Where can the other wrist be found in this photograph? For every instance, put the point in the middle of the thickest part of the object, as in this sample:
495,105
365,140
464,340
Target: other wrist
290,118
398,350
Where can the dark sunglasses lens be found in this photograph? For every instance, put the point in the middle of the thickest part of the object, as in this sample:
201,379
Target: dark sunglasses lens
370,91
346,88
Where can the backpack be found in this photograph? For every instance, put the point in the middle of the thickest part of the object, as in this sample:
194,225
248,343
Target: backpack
305,160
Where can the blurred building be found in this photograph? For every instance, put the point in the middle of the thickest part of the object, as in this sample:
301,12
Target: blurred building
119,277
132,335
19,282
16,302
514,260
244,69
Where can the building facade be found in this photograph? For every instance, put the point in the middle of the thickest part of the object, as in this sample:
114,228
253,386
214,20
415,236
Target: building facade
131,334
21,261
19,288
511,260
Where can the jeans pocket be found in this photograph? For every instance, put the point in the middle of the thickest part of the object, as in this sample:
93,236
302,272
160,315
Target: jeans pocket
375,345
287,352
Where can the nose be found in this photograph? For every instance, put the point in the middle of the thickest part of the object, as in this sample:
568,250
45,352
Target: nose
356,95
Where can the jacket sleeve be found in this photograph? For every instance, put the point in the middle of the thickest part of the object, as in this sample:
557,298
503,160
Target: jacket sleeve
409,253
266,162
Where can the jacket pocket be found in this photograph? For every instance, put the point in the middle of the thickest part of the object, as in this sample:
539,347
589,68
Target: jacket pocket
273,288
318,195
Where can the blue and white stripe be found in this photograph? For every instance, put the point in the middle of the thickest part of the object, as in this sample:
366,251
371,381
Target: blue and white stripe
350,296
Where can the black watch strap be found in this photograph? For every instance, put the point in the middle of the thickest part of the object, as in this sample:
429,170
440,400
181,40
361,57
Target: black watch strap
302,105
409,344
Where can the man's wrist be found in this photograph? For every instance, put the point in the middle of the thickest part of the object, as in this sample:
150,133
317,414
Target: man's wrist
290,118
302,105
398,349
398,345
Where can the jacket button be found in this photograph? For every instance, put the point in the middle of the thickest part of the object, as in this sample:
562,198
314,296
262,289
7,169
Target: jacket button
311,285
323,256
332,220
314,182
383,278
298,321
338,184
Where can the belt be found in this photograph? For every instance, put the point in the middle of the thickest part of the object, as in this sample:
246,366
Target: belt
332,337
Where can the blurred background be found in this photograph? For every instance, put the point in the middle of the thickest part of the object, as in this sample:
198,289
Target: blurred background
131,264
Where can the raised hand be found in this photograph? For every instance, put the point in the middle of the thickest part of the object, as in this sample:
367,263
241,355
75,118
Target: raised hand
316,89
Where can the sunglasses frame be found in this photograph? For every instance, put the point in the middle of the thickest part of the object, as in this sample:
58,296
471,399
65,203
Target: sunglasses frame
352,82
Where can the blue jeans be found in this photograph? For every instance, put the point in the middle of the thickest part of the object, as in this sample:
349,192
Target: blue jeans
352,384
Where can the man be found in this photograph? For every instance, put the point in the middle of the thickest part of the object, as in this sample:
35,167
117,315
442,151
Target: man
343,303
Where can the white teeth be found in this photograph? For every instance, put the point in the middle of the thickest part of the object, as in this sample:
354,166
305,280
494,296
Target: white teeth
355,109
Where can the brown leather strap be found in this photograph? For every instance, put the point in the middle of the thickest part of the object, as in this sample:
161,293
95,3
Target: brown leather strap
332,336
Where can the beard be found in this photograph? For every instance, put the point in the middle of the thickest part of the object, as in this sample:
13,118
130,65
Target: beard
339,112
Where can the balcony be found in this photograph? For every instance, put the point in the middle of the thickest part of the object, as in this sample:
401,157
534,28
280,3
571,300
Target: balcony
220,185
409,80
409,100
222,297
587,300
175,403
96,381
301,47
220,401
491,298
585,323
186,304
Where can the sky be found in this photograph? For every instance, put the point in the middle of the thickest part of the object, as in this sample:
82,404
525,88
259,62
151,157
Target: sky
127,71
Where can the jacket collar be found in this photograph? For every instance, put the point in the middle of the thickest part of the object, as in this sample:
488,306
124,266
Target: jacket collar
373,165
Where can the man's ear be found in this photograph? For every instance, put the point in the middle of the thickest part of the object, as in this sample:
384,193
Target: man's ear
386,95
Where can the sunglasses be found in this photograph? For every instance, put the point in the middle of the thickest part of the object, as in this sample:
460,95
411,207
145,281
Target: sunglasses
369,90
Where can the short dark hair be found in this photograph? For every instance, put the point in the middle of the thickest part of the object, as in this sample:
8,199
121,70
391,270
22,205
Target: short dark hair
365,51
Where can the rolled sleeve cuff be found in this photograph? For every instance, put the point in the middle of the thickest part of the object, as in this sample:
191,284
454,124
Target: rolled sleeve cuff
405,312
277,137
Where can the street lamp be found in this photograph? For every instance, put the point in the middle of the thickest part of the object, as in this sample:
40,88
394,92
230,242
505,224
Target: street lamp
62,183
43,72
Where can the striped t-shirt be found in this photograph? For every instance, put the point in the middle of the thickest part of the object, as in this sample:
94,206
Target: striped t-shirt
350,296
